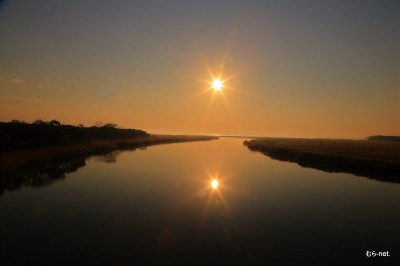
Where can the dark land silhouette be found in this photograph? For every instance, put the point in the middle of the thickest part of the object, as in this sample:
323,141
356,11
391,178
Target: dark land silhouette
384,138
377,157
18,135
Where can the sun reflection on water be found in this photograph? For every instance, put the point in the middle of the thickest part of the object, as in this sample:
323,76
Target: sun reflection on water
214,183
216,200
216,191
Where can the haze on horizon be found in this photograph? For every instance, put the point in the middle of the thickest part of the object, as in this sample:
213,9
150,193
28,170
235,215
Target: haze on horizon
291,68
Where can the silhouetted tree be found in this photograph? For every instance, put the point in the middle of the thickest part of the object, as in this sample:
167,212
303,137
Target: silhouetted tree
55,123
110,125
40,122
98,124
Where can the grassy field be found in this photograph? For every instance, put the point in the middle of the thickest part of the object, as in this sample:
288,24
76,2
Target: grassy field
375,159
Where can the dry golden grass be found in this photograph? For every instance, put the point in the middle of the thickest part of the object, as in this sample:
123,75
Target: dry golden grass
377,150
377,159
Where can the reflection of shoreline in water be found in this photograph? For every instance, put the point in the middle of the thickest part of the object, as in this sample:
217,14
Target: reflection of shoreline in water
36,168
45,176
110,157
53,172
331,163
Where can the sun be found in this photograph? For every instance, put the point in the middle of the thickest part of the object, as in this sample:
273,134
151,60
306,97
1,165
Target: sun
214,184
217,84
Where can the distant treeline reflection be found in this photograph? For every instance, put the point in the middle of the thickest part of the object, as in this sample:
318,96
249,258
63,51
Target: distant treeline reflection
43,177
55,171
19,135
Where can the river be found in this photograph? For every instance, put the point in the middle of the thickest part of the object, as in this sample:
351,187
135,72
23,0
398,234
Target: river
157,206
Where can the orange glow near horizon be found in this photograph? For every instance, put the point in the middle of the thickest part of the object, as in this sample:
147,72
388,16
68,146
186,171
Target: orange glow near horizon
223,101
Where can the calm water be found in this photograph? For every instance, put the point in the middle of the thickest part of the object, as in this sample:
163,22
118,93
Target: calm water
157,206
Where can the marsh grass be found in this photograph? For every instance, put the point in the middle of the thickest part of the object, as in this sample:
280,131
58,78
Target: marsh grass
375,159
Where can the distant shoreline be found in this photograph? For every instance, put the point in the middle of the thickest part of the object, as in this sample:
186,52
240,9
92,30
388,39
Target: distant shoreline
378,160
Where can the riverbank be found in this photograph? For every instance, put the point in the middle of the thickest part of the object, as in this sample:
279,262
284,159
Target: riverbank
16,163
374,159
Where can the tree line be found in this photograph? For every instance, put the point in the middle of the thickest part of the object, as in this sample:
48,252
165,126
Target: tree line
19,135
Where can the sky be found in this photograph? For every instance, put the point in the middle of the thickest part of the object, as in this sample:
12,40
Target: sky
312,68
